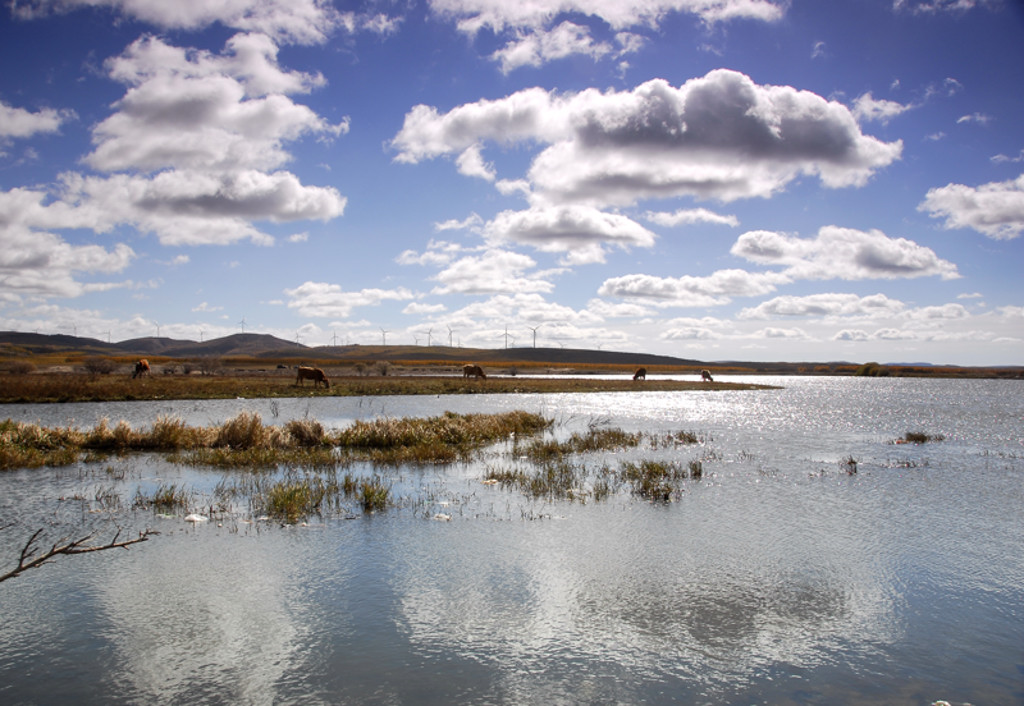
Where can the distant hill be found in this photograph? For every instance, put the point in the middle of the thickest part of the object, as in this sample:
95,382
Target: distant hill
265,346
14,344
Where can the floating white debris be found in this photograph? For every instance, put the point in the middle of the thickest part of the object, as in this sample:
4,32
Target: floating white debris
196,518
441,517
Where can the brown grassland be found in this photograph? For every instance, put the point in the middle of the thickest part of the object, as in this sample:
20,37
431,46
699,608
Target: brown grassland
84,387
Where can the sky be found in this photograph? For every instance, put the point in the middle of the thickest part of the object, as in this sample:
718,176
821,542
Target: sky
758,180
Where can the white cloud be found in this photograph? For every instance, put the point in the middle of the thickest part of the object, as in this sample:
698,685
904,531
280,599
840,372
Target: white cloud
843,253
719,136
186,207
974,118
471,163
471,222
936,6
20,123
690,216
297,21
796,334
37,264
205,307
537,47
1002,158
498,15
193,110
867,108
825,305
438,253
420,308
688,291
495,271
995,209
578,230
325,300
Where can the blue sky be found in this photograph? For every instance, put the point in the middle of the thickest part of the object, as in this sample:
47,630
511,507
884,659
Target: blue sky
712,179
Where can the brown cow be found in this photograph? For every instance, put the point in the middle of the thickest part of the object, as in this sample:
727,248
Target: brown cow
141,368
640,374
705,376
470,371
315,374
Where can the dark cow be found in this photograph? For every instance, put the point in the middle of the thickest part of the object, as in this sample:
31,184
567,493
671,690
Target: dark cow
705,376
315,374
141,368
640,374
470,371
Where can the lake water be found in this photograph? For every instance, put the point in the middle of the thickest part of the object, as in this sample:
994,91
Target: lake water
777,578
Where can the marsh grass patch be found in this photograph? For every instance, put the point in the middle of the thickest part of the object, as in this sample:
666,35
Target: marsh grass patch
919,437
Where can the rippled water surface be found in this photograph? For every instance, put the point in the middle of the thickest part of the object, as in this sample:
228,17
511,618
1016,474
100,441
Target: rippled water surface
778,577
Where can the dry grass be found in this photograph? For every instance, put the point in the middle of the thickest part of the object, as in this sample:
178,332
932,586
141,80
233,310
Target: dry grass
80,387
245,441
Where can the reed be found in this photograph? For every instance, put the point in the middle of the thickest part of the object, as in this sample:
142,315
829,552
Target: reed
658,480
374,495
549,450
166,498
291,500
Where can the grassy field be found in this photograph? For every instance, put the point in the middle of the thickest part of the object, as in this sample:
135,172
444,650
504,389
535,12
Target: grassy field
83,387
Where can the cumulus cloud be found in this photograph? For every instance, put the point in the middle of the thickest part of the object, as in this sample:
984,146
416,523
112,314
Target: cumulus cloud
189,149
785,333
38,264
194,208
825,305
581,231
719,136
325,300
494,271
537,47
995,209
20,123
867,108
689,291
438,253
843,253
294,21
195,110
497,15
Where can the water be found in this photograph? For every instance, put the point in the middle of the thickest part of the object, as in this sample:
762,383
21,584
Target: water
778,578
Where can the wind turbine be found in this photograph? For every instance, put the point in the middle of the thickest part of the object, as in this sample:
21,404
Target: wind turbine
507,336
384,337
534,329
429,331
242,324
449,335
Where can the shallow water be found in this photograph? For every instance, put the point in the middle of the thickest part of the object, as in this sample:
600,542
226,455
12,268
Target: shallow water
776,578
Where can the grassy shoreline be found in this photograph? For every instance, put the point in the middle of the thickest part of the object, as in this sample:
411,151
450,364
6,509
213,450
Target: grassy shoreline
76,387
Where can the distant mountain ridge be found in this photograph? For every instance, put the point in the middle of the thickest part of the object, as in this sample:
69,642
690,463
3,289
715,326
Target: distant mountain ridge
259,345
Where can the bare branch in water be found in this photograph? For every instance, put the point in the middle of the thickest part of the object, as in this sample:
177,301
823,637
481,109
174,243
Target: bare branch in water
31,558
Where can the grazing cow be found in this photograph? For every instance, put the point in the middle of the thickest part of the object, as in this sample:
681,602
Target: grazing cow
141,368
640,374
705,376
471,371
315,374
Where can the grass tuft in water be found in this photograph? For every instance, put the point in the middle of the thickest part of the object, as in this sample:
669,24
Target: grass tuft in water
166,498
920,437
